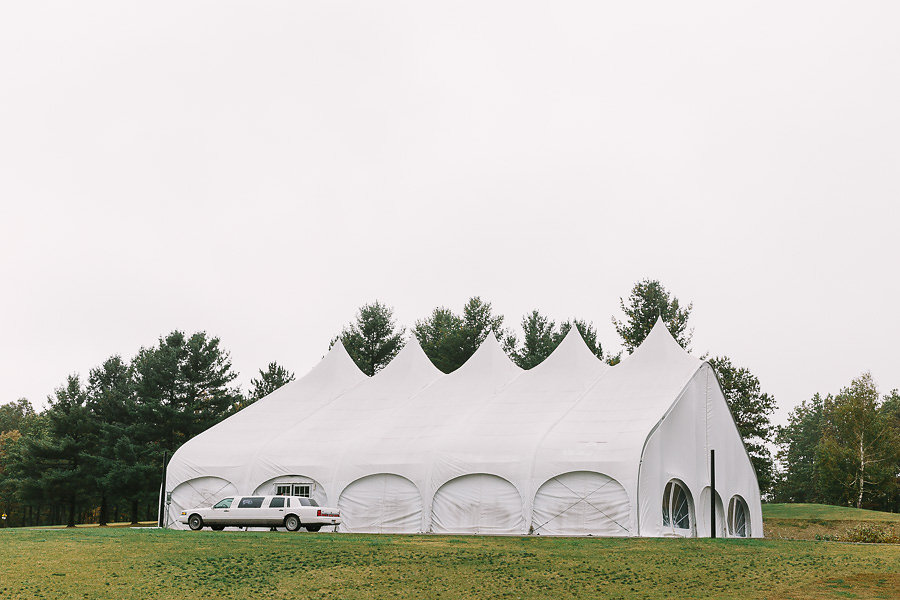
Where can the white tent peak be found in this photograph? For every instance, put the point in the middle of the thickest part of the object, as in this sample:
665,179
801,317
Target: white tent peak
490,357
572,352
661,346
336,364
411,359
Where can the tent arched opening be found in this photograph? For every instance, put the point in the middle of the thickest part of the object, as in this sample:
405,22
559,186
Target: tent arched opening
478,503
581,503
381,503
293,485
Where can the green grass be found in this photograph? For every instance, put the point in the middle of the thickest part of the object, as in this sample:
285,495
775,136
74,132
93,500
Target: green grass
825,512
818,521
146,564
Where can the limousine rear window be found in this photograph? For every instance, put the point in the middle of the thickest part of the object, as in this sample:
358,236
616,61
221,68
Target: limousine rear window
306,501
251,502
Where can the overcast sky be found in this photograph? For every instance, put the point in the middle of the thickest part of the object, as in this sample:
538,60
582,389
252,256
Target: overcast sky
260,169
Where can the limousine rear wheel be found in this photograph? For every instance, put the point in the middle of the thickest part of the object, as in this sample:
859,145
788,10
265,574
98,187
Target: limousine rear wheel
292,523
195,522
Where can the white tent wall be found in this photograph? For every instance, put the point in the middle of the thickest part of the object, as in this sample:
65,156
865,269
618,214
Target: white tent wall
678,449
229,450
331,443
605,430
489,448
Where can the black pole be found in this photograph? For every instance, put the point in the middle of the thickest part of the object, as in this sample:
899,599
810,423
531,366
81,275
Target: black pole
162,494
712,493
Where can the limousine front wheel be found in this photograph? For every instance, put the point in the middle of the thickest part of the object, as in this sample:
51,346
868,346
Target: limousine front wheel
291,523
195,522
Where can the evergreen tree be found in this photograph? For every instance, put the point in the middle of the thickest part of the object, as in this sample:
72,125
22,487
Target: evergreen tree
648,302
441,339
57,463
752,411
449,340
539,339
374,338
124,466
890,412
799,479
269,380
479,321
182,388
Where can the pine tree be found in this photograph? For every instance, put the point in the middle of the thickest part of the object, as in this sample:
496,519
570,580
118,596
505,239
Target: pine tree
799,479
269,380
440,336
124,465
57,462
752,411
373,339
539,339
648,302
449,340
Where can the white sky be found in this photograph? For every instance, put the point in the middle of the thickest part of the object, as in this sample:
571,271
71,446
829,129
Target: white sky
259,170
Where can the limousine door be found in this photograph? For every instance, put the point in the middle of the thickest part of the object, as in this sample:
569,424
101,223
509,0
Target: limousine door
274,512
220,513
249,511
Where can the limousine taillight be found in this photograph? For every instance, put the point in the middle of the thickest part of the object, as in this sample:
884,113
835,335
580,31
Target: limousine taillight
325,513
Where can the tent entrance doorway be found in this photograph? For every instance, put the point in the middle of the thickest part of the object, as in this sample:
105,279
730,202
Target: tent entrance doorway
293,489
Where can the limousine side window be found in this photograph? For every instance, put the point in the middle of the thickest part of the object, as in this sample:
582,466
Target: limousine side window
306,501
226,503
250,502
277,502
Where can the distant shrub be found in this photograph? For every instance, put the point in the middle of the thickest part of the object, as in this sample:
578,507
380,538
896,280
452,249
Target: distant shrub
870,533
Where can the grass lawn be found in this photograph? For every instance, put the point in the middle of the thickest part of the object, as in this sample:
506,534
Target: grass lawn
825,512
145,564
806,521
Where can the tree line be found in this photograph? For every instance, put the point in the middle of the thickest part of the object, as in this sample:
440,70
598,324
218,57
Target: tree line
94,454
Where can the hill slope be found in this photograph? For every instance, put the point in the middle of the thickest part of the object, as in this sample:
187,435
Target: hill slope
816,521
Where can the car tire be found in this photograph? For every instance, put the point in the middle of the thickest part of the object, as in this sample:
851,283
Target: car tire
292,523
217,527
313,528
195,522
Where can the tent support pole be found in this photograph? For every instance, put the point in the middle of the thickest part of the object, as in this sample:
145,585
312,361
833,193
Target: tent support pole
712,493
162,495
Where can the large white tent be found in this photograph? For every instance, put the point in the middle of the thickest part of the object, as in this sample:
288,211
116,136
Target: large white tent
570,447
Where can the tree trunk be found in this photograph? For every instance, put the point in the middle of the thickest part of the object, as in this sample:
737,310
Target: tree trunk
862,472
70,522
134,512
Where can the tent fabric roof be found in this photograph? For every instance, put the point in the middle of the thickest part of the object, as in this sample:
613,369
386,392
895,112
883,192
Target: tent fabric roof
571,404
335,426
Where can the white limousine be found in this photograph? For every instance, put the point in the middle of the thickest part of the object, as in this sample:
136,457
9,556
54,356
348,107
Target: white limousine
290,512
